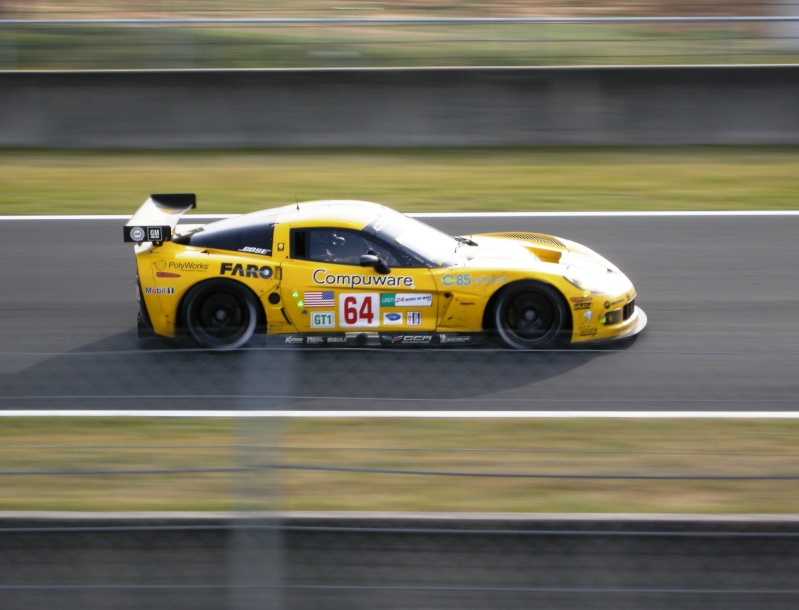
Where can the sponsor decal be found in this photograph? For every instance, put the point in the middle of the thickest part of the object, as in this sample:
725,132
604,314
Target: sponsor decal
154,234
406,300
608,304
295,340
151,290
166,274
336,339
466,279
323,278
359,309
253,250
137,233
419,339
582,299
579,306
319,298
588,332
264,272
323,319
444,338
161,265
413,318
392,318
314,340
588,315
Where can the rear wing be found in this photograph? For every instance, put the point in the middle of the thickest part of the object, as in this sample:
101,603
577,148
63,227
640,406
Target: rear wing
157,218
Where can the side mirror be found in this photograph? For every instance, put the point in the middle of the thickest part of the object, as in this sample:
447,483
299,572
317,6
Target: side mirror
372,260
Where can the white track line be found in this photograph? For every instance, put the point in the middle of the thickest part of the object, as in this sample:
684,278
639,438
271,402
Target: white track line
406,414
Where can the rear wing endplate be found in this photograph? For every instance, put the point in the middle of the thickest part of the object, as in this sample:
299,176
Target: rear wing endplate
157,218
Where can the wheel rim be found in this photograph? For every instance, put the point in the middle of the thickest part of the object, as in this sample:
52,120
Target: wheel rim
530,319
222,320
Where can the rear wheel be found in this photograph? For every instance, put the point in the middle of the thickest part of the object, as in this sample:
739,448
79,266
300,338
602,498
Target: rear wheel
530,315
220,314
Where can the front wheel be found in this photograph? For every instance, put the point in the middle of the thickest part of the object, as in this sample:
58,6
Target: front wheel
220,314
530,315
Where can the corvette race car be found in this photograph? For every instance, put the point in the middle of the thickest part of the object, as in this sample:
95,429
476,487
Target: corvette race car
353,272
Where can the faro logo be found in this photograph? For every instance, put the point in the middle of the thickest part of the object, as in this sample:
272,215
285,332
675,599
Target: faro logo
264,272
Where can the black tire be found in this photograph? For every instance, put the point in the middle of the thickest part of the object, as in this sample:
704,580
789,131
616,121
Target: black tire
220,314
530,315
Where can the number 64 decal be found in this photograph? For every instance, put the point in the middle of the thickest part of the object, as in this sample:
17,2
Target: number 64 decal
359,309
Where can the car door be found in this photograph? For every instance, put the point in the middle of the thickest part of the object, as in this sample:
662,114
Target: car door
326,289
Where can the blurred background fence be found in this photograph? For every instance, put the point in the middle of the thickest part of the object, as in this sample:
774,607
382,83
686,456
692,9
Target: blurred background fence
91,562
310,42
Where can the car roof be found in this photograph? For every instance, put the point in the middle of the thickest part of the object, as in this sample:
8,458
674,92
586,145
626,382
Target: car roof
356,214
336,213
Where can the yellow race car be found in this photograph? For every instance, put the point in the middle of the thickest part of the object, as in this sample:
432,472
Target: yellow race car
359,273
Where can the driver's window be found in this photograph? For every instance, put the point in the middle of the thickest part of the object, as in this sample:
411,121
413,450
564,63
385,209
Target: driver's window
335,246
340,246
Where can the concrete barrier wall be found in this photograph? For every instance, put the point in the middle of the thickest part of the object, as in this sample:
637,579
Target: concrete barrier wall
401,107
396,562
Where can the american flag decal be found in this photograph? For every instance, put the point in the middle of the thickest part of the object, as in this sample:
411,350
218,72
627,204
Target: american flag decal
323,298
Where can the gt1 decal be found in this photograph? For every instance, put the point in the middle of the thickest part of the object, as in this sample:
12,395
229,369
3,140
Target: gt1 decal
149,290
323,319
414,318
264,272
406,300
392,318
359,309
323,278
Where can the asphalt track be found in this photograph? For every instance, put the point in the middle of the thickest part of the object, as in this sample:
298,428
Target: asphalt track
720,292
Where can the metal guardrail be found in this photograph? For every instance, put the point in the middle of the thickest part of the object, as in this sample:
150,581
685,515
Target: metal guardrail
297,42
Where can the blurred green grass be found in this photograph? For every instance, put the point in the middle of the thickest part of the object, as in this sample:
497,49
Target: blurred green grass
410,180
592,448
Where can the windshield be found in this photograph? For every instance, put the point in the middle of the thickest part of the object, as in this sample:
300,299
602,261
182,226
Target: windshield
435,248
